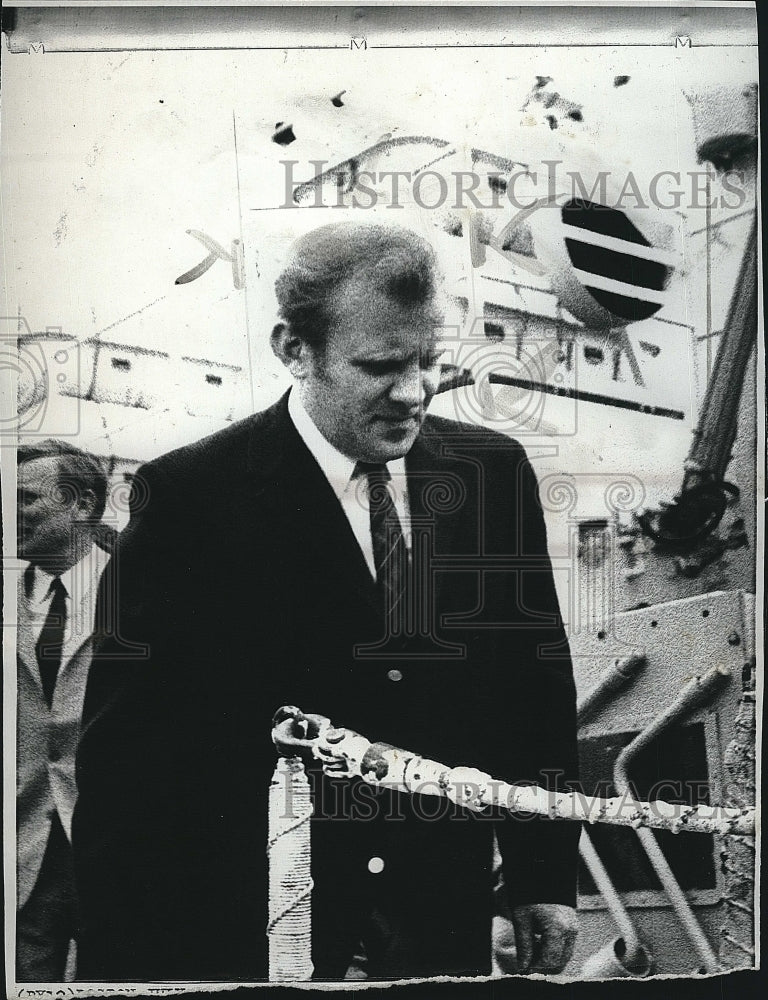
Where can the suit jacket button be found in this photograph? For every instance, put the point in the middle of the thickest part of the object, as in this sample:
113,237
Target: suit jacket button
395,675
376,866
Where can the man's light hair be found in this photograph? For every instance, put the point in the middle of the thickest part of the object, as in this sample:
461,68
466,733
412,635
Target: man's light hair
396,261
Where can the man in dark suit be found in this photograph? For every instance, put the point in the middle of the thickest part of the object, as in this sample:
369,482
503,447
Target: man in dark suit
346,553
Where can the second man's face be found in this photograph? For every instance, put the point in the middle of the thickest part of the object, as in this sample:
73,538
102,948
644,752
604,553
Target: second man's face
47,512
369,387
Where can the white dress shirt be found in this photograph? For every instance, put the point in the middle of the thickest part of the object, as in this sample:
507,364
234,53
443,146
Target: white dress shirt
37,589
47,735
351,491
79,581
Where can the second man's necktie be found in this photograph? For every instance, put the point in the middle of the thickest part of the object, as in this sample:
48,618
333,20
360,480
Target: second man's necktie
50,644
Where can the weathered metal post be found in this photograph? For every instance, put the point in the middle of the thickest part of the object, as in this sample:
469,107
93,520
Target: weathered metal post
737,934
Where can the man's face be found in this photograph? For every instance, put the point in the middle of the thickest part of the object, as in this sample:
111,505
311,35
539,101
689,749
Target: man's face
369,387
46,513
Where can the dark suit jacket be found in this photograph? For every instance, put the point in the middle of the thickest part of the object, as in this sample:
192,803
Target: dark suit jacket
240,587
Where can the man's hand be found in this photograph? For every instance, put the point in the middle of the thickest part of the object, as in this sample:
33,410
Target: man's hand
545,934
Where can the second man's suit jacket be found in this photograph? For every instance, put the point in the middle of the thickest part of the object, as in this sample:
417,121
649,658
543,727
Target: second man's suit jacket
47,735
242,588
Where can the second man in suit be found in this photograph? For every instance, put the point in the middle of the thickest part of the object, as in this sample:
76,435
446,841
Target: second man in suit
61,498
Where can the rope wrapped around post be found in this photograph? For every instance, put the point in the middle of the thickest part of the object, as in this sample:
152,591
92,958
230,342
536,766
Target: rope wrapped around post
290,879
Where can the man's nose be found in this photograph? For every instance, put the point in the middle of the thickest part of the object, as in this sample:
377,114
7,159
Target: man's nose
411,387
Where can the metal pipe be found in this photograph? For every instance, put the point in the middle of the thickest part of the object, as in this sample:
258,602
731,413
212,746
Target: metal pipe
704,495
698,691
621,673
695,693
679,901
610,962
616,677
716,431
612,899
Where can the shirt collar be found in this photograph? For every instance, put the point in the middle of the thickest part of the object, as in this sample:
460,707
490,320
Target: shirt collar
336,467
77,579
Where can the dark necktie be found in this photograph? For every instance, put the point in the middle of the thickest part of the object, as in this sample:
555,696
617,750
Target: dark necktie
51,641
390,553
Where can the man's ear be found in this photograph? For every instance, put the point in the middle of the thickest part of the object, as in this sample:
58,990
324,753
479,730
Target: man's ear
86,503
290,349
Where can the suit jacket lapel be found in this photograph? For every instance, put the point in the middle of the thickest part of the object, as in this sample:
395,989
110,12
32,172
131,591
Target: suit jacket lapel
288,480
290,488
79,627
25,641
82,605
435,490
